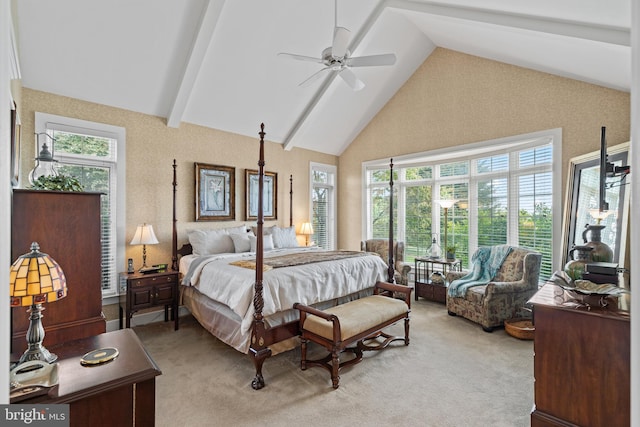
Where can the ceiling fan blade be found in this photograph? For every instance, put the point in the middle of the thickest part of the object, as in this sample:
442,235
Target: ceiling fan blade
301,57
351,79
340,42
372,60
315,76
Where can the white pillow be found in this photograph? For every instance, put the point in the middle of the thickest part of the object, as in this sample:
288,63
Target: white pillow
241,242
267,242
265,230
241,229
216,241
284,237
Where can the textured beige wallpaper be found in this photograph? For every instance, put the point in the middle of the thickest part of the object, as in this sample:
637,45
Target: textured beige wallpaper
151,148
454,99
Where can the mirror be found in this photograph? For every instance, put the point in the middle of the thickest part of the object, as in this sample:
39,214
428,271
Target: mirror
583,194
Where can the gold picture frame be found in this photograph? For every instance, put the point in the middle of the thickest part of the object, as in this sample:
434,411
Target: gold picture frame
269,195
215,192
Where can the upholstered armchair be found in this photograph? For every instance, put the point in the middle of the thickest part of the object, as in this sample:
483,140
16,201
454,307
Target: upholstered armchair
381,247
504,296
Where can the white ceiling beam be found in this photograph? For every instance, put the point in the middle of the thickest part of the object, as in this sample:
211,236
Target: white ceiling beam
563,27
212,12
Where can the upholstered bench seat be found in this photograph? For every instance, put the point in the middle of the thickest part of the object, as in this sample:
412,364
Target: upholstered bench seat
357,316
359,321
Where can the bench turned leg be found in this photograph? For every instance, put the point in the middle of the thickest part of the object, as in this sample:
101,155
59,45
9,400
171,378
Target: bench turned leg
303,354
335,367
406,331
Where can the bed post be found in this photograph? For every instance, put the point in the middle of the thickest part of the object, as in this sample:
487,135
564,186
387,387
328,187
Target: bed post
258,351
290,200
174,248
390,268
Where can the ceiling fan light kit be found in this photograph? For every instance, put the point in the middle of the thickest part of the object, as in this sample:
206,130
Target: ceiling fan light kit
337,58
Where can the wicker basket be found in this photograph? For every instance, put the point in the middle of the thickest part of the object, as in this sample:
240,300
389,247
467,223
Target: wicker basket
520,328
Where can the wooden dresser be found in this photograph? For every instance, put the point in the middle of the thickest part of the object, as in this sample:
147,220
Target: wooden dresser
67,227
582,360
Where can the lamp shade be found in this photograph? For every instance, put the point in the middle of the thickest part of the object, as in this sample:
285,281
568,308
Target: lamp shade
306,228
447,203
35,278
144,235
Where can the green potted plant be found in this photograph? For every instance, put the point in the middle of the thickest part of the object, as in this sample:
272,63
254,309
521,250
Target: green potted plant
451,251
59,182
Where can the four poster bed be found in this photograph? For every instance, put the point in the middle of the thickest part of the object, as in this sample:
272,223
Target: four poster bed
246,298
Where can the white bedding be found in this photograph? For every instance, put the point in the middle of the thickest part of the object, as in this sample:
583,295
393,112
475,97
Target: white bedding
309,284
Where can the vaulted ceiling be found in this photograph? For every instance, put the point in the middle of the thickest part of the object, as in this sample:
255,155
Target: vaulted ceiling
215,63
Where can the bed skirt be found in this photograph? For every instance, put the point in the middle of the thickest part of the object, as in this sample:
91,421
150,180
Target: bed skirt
224,324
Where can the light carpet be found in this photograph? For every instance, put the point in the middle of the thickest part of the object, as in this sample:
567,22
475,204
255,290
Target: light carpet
452,374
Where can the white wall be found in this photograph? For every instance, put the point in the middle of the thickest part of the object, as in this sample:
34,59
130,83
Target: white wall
5,189
635,204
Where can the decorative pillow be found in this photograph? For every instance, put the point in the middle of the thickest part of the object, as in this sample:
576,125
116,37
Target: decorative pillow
284,237
241,242
241,229
267,242
216,241
265,230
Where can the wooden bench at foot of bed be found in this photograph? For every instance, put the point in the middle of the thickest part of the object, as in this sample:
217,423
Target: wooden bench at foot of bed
358,321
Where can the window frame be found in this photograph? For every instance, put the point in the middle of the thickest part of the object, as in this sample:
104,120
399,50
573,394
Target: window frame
474,151
333,194
45,122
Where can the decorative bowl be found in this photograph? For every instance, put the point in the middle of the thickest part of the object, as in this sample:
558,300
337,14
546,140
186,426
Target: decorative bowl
520,328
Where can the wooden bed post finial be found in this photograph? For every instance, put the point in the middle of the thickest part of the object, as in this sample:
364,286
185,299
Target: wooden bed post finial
390,268
290,200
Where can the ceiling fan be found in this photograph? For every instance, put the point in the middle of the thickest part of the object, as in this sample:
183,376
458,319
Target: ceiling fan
338,58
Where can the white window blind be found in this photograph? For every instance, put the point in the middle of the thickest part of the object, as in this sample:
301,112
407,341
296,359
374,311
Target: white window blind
504,193
323,207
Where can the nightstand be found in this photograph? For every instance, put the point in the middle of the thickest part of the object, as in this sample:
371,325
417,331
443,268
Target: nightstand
117,393
149,290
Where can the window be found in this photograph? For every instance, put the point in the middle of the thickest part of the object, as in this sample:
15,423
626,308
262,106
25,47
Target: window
504,193
323,205
94,153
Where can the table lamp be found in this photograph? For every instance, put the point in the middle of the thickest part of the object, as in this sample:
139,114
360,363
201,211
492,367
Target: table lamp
306,229
35,278
144,236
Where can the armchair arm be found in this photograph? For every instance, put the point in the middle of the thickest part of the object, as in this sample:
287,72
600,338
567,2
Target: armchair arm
507,287
454,275
403,268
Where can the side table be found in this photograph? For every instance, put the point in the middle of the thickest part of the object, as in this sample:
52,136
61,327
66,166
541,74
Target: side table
116,393
150,290
424,287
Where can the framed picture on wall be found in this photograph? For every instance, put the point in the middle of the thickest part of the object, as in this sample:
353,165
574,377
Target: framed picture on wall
269,195
215,192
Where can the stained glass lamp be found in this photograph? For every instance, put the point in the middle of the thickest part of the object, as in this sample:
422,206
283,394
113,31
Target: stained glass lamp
34,279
